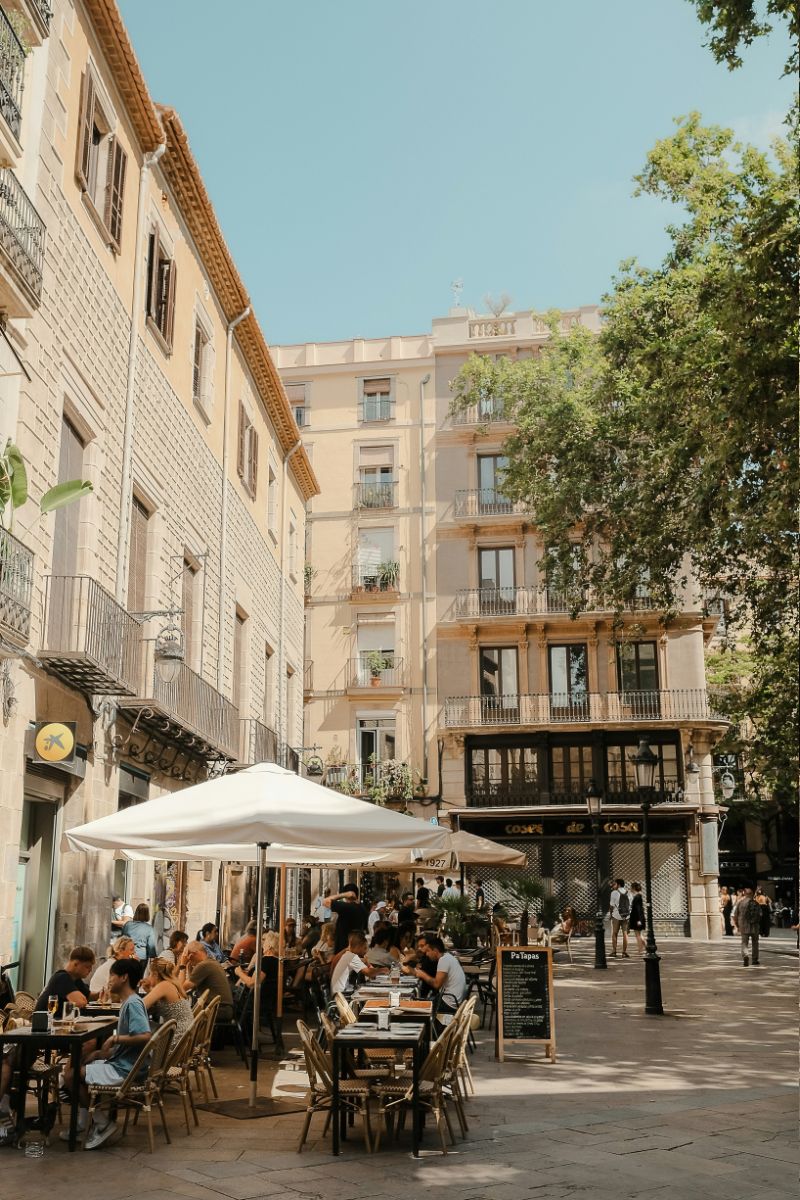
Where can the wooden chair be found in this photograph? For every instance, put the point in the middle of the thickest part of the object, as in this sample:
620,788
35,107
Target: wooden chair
353,1093
142,1087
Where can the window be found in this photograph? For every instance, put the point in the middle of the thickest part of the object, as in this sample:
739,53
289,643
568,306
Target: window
247,463
292,561
297,394
375,487
499,676
102,162
239,651
137,559
375,568
202,367
491,468
637,667
502,773
569,679
67,520
496,579
269,685
375,634
376,743
562,590
189,578
291,703
570,770
161,277
377,403
272,501
621,772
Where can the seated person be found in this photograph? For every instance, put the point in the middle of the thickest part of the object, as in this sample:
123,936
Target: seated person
209,936
449,979
117,1056
379,953
123,947
351,959
69,984
177,944
268,979
310,936
291,942
419,957
407,912
245,947
166,997
199,973
566,925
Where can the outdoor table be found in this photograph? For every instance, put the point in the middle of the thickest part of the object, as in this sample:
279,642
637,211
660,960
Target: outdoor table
362,1037
62,1040
95,1009
410,1011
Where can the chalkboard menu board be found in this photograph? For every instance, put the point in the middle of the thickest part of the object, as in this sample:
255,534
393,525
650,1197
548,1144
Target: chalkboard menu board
525,1008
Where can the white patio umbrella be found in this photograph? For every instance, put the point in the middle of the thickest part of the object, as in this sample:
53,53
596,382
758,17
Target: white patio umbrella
260,806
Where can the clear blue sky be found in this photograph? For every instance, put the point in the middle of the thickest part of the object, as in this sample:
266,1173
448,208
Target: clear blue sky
363,154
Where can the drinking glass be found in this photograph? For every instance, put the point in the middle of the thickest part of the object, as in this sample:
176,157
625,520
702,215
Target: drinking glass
394,999
383,1018
52,1008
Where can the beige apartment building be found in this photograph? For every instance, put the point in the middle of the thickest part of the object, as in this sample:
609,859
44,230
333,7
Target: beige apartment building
160,619
482,683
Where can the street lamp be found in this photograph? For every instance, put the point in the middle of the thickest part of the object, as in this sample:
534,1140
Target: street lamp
594,805
645,763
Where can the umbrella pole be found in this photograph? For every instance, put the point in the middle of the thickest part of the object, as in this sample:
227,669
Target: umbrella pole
262,880
282,934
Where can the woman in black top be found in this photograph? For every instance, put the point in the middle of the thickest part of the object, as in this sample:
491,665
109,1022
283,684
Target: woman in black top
636,921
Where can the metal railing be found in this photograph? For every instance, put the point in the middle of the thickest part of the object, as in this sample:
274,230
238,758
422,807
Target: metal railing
377,408
360,674
45,11
485,502
197,706
496,794
375,495
16,588
355,778
288,757
482,413
12,75
473,603
259,743
370,579
89,638
576,708
22,232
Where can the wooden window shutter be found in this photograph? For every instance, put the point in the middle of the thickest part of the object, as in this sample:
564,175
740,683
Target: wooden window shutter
115,187
253,460
242,436
85,130
137,562
151,302
169,303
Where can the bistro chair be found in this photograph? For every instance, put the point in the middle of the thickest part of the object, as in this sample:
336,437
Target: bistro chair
396,1097
200,1060
178,1079
347,1017
353,1093
141,1088
487,994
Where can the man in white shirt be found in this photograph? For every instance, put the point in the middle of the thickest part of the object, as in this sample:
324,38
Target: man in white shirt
351,959
620,913
449,981
450,891
121,913
376,915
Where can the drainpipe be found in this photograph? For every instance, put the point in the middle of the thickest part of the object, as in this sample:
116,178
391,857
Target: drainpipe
148,163
423,497
223,515
282,715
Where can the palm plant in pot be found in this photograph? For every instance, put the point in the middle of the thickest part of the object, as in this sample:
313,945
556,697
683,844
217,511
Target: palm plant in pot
526,892
463,924
389,573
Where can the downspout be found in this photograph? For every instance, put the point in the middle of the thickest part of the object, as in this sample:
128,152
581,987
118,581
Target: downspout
423,498
149,161
282,697
223,513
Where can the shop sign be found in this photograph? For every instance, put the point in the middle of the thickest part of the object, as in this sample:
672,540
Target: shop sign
621,827
516,830
54,742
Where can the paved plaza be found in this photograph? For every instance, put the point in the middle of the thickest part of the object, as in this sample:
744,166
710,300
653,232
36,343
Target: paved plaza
699,1104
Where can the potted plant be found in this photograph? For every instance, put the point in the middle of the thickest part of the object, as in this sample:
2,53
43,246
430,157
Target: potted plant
421,786
526,892
375,664
315,765
388,574
309,575
463,924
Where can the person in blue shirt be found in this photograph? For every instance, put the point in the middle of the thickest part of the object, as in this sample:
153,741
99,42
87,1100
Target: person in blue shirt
209,936
118,1054
142,934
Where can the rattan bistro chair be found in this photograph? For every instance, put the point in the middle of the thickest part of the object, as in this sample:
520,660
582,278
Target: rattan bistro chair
180,1065
141,1088
353,1093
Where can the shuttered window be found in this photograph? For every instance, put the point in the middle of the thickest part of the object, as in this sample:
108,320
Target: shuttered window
67,519
297,394
137,561
101,163
161,283
239,623
188,590
247,455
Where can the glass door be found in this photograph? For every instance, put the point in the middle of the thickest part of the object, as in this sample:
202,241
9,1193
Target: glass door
637,670
499,685
376,744
491,468
569,682
496,580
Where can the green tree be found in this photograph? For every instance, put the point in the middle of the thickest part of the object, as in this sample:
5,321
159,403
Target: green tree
737,23
666,447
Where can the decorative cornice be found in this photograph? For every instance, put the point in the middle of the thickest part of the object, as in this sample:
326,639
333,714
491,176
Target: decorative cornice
130,82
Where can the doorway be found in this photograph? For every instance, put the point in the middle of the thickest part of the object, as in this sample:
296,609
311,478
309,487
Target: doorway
35,900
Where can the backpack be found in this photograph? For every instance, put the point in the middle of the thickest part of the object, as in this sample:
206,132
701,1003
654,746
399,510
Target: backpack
752,914
624,906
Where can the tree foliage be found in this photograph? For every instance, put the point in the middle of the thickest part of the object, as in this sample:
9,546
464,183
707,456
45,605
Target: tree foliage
737,23
664,450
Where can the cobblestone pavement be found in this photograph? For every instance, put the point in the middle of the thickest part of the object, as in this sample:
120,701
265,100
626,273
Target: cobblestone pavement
699,1104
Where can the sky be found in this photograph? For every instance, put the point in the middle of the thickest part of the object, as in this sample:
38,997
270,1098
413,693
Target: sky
363,155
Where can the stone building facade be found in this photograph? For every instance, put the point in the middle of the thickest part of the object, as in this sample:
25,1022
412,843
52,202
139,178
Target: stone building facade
163,613
520,704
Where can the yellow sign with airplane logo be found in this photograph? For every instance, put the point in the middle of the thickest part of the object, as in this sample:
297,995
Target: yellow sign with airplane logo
54,741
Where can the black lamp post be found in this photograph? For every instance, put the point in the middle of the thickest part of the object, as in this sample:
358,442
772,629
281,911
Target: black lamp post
645,763
594,804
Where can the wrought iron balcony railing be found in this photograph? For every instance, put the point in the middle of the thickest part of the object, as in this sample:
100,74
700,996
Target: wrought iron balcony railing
288,758
369,578
12,75
90,641
578,708
22,234
482,413
475,603
497,794
377,494
200,708
259,742
363,674
485,502
358,779
16,589
376,408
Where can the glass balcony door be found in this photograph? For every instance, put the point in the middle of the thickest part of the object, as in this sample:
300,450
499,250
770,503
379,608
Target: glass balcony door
569,682
491,470
496,579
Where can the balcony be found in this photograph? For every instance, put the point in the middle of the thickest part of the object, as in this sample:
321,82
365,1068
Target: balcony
16,588
259,743
498,794
375,495
589,708
483,413
474,604
35,17
485,502
363,673
12,81
376,581
90,641
189,713
22,239
376,410
489,327
380,781
288,758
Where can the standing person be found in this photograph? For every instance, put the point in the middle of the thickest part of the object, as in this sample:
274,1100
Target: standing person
480,897
636,920
376,915
765,904
351,914
726,908
439,885
142,933
450,892
747,922
423,894
620,902
121,913
321,907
